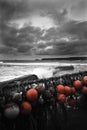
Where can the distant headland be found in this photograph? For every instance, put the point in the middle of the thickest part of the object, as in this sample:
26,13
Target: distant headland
48,59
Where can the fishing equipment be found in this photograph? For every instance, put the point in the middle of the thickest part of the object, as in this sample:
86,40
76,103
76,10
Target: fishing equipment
43,100
32,94
60,88
11,110
26,108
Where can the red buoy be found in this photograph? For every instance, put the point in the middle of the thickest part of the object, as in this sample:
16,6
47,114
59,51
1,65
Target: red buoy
72,102
60,89
85,80
26,108
61,98
73,90
67,90
32,94
77,84
84,90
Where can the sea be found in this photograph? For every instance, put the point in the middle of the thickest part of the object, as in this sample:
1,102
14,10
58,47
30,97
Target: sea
11,70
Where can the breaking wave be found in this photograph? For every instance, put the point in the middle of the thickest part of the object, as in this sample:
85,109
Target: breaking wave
43,72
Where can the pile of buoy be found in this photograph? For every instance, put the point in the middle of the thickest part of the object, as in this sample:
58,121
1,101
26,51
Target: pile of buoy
58,94
78,86
12,110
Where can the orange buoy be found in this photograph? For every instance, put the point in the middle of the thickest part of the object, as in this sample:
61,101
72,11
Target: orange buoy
68,90
60,89
85,79
26,108
71,102
61,98
77,84
73,90
84,90
32,94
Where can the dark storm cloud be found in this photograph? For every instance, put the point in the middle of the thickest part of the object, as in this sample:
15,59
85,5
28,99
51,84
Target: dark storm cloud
13,37
12,9
69,48
24,49
22,39
79,10
76,29
72,48
7,50
42,46
59,17
67,15
76,45
52,34
9,37
30,33
7,10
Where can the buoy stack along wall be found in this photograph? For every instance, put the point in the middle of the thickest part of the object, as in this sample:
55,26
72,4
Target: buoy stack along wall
60,94
68,90
31,96
77,84
84,89
26,108
81,85
73,90
60,89
84,80
61,98
12,110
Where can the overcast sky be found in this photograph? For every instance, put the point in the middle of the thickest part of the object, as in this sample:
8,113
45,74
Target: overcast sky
41,28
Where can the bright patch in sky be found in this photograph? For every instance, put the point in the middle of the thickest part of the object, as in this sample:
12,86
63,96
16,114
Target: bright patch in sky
48,47
42,22
19,23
